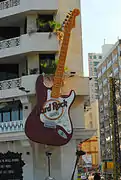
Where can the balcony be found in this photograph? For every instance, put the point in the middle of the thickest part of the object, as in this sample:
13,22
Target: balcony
17,7
12,126
37,42
99,74
11,88
100,86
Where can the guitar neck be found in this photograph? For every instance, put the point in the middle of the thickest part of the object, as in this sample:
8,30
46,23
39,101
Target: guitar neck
60,68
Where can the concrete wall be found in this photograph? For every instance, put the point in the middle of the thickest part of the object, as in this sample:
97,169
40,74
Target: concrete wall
74,58
16,146
106,48
62,161
92,121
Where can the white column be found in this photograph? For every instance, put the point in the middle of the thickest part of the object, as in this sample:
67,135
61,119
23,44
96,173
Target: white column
68,158
31,23
26,107
33,62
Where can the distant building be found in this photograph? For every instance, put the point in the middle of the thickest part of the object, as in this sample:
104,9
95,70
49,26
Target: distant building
93,60
92,146
110,66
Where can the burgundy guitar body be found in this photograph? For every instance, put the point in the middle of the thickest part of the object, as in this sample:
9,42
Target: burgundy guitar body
49,122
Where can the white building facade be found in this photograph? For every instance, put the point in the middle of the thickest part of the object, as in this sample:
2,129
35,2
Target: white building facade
93,60
23,46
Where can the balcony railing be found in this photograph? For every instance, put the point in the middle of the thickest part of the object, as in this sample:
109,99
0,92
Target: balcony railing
13,42
9,3
10,84
12,126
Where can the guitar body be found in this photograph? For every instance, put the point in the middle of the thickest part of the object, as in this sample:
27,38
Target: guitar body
49,122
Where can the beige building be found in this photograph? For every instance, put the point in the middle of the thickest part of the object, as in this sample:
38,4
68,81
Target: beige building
23,46
92,146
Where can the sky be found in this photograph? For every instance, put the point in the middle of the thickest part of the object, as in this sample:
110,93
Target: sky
101,19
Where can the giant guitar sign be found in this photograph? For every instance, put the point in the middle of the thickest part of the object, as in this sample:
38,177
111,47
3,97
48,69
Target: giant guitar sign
49,122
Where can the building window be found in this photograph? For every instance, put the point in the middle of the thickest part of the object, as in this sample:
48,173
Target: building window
95,69
95,63
95,57
12,111
47,63
100,57
43,24
6,116
90,57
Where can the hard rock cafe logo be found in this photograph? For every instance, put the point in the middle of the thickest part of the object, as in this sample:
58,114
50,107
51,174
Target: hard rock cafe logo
53,109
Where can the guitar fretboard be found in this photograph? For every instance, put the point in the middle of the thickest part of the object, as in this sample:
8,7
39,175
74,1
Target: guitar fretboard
60,68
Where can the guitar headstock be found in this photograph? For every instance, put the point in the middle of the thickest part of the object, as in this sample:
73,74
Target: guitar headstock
69,22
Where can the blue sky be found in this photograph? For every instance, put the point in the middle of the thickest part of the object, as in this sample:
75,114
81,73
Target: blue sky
101,19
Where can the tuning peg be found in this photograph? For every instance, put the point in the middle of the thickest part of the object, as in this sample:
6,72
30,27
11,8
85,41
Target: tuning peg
67,16
70,11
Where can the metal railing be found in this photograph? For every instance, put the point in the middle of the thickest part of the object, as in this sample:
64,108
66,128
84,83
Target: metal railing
10,84
8,4
12,126
8,43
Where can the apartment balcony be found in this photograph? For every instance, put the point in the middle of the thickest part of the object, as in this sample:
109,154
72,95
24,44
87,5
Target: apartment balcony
105,82
18,7
116,70
37,42
12,126
109,64
99,74
11,131
26,86
100,86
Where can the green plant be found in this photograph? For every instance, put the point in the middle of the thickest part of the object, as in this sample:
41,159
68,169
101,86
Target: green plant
55,26
50,68
50,26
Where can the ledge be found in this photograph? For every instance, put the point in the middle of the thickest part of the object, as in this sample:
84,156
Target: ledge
79,134
83,134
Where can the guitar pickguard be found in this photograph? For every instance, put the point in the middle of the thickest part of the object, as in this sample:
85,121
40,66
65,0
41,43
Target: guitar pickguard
55,112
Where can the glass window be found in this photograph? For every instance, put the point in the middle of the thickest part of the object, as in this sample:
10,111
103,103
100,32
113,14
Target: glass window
11,112
95,63
15,115
95,69
90,57
100,57
0,117
95,57
6,116
21,114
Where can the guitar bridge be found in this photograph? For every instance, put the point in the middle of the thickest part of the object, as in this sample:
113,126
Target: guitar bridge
50,124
